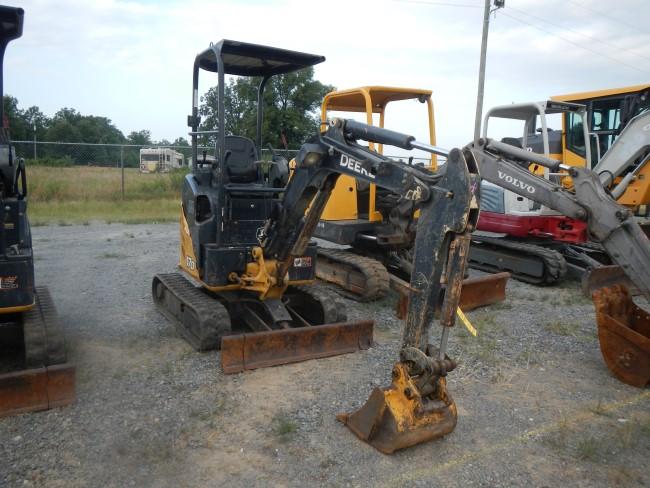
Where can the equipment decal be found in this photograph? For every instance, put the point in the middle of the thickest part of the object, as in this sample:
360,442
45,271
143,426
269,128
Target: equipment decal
303,262
8,282
354,165
516,182
190,263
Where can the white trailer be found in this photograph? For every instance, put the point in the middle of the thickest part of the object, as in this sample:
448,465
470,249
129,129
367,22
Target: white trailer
160,160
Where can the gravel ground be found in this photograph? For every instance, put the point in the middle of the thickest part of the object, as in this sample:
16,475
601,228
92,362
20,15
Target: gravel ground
537,407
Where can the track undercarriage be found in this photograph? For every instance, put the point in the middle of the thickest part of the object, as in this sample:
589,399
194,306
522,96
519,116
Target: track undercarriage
307,322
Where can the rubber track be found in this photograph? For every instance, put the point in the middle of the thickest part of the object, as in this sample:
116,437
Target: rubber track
204,306
333,308
555,267
43,335
377,279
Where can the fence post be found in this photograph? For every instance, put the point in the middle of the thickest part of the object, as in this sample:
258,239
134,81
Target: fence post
122,166
34,141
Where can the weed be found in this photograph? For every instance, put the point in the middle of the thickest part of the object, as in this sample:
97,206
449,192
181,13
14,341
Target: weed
599,409
501,306
561,328
587,449
530,356
283,427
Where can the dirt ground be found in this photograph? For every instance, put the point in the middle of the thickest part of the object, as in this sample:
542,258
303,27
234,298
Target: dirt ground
537,407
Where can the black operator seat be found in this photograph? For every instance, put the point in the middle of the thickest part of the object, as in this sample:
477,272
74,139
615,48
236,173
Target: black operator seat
242,160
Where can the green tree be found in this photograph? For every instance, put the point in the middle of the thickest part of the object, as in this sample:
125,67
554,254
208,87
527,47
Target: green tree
19,130
291,104
141,138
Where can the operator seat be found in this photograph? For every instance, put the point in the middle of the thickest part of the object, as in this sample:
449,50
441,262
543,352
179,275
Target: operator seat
241,160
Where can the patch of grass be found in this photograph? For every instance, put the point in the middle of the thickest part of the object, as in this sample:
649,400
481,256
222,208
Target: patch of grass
77,195
561,328
127,212
284,427
530,356
588,448
501,306
599,409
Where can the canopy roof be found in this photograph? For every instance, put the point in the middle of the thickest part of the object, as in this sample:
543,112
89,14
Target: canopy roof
245,59
354,100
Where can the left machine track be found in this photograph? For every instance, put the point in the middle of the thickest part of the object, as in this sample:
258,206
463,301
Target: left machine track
199,318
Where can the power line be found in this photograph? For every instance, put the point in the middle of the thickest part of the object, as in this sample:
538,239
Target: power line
618,61
442,4
608,15
580,33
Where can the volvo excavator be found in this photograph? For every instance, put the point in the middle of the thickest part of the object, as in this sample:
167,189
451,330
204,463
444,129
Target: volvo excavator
537,244
34,371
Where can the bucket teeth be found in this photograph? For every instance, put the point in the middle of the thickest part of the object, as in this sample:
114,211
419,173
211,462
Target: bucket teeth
399,416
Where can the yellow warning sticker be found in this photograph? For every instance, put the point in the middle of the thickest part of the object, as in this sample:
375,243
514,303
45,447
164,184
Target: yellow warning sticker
470,328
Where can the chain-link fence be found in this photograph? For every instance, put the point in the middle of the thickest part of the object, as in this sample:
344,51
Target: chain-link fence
116,171
108,155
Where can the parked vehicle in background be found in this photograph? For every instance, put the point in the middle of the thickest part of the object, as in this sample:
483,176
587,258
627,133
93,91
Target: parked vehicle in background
160,160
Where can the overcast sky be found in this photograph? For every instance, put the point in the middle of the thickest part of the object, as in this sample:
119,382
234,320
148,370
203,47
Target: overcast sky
131,60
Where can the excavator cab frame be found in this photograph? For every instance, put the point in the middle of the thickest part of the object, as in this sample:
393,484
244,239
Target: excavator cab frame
351,201
528,113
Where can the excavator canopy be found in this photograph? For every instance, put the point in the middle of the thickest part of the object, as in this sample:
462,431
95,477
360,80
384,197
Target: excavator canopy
246,59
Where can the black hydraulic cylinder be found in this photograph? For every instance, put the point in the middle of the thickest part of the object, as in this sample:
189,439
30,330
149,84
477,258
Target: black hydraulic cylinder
357,130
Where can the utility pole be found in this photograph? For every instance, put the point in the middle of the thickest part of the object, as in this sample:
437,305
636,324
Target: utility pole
481,70
34,140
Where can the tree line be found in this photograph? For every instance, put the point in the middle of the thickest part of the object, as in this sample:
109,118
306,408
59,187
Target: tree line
68,125
291,115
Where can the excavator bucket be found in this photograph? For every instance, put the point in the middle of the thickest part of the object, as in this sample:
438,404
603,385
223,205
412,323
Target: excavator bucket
605,277
624,335
272,348
476,292
398,416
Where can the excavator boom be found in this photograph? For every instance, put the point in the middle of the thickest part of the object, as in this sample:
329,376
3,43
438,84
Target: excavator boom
624,329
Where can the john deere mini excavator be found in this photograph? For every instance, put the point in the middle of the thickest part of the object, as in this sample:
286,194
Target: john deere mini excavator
245,241
34,373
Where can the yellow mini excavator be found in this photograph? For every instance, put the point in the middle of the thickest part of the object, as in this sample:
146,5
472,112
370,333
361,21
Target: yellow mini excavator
373,228
34,372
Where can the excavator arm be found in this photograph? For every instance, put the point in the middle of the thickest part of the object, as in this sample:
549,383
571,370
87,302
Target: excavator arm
623,327
608,222
416,407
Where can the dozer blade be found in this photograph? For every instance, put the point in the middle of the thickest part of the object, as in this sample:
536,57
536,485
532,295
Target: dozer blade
31,390
398,417
604,277
291,345
476,292
624,335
